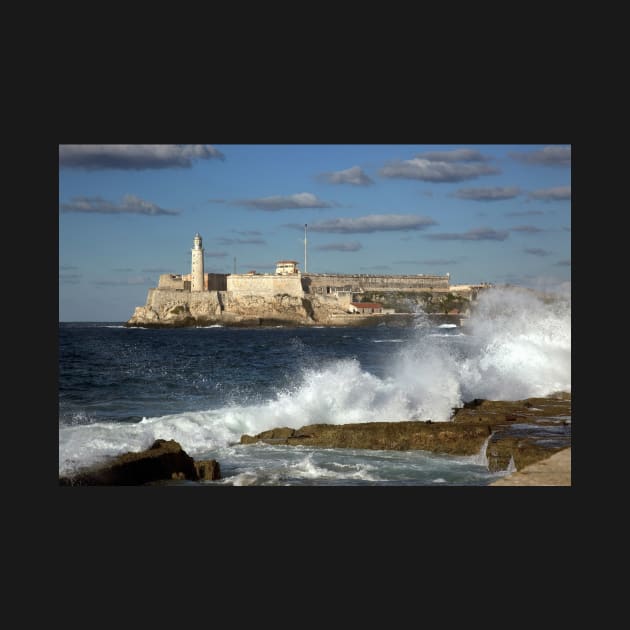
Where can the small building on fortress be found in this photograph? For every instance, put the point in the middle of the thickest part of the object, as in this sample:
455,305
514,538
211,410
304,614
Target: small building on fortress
287,279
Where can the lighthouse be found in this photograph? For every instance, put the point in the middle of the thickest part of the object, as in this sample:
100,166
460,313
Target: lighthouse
196,277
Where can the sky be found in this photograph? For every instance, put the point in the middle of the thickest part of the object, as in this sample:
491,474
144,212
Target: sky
483,213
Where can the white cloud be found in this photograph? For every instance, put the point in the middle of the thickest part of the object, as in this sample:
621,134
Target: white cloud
436,171
354,175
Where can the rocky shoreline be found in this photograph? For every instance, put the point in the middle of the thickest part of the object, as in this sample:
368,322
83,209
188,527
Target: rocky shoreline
522,432
163,460
513,435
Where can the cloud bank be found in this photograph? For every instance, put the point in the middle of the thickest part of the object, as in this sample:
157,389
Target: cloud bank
477,234
284,202
134,156
354,176
488,194
441,166
370,223
130,204
351,246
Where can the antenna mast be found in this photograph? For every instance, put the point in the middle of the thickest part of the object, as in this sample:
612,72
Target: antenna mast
305,247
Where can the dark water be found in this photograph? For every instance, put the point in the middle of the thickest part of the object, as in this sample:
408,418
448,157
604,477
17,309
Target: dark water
112,373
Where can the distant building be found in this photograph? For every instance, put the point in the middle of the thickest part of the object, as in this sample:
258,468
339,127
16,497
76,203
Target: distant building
286,267
365,307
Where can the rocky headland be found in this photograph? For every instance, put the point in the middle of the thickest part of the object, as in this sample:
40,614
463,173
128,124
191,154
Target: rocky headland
178,309
250,311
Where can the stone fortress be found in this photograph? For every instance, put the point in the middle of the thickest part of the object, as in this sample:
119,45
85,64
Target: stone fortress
285,296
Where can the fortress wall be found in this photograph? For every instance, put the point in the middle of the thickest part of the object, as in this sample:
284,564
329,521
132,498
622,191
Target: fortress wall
171,281
196,301
215,281
265,285
318,283
211,281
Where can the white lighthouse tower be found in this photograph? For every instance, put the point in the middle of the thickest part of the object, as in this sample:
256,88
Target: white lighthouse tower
196,283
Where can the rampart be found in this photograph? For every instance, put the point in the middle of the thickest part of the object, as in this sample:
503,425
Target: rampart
265,284
159,299
171,282
331,283
179,282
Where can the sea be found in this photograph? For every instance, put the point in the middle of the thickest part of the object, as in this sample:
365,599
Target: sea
122,388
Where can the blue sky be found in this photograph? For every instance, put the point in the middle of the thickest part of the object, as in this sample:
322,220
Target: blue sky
484,213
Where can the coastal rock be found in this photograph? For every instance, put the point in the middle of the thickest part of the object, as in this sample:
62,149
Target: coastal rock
495,412
208,470
521,431
400,436
164,459
249,439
